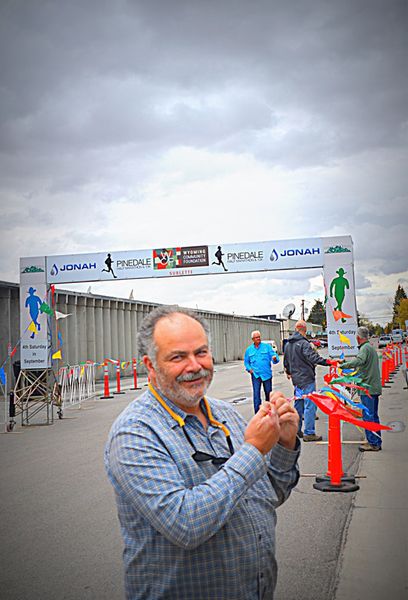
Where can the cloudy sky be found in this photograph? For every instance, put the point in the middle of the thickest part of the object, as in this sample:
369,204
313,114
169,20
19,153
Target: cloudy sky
141,124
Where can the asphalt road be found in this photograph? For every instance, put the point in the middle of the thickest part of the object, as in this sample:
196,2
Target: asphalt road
59,532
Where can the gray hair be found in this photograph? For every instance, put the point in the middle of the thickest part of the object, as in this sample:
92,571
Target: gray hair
256,331
145,337
363,333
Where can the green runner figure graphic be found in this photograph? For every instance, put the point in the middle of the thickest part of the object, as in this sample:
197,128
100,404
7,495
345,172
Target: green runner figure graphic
340,285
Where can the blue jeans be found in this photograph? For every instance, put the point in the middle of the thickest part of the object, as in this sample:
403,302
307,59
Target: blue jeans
306,408
371,404
256,386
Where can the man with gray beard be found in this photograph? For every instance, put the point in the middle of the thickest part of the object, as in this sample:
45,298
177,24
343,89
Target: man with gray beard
196,487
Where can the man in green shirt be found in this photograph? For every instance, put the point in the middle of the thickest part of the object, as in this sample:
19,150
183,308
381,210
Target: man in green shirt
368,367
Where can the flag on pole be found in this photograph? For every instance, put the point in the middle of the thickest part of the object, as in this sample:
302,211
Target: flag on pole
32,327
46,309
349,372
60,315
339,314
2,376
325,293
57,355
344,339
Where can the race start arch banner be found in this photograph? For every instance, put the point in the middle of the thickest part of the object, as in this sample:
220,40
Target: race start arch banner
333,254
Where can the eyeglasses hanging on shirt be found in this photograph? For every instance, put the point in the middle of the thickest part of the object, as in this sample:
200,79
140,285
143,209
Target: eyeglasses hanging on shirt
198,456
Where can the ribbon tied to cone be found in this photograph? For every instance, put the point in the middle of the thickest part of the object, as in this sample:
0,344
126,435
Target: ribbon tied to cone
335,400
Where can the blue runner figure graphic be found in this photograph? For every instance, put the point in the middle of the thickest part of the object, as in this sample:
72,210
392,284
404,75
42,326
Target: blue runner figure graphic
33,304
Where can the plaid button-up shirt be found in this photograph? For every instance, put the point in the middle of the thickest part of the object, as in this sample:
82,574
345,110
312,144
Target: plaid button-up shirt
195,531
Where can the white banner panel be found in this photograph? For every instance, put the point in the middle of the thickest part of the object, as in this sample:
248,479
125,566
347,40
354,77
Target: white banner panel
101,266
341,310
33,270
33,322
267,256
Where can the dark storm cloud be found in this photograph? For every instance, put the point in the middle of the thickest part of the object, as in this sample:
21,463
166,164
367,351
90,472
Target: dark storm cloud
78,76
93,92
361,282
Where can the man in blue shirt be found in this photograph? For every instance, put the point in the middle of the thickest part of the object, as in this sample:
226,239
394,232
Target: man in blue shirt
257,361
196,487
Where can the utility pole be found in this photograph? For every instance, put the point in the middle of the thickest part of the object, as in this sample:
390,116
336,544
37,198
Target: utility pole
302,304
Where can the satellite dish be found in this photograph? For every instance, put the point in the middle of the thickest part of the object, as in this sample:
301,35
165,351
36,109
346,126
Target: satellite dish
288,310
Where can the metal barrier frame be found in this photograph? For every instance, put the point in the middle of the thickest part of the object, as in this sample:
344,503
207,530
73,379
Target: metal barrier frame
77,383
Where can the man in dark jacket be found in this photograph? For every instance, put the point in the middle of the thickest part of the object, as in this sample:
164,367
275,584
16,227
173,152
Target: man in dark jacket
300,362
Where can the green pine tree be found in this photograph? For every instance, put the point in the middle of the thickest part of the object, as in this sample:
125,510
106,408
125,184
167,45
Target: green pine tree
399,295
363,321
317,314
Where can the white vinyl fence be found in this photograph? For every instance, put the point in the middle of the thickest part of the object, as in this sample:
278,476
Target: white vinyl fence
77,384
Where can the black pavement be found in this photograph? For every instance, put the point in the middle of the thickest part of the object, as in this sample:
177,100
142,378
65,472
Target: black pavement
60,534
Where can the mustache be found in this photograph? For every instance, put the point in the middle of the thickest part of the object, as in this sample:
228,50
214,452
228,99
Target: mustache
193,376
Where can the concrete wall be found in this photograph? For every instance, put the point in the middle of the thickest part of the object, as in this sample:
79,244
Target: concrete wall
102,327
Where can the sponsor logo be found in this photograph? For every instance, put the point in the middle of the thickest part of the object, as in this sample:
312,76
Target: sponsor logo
176,258
166,258
245,256
71,267
274,256
194,256
336,250
134,263
33,269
